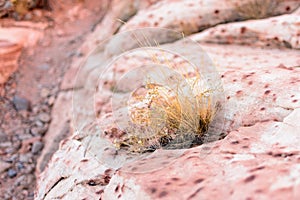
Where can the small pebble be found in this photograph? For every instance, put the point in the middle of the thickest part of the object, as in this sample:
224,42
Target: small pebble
29,169
12,173
34,131
37,13
25,158
35,109
4,166
5,144
21,103
44,108
37,147
20,166
39,123
45,93
25,136
28,16
51,100
43,130
44,117
21,180
24,113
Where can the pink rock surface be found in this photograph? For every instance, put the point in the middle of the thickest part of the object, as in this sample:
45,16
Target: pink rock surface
258,159
68,181
281,31
183,16
252,162
117,13
192,16
230,162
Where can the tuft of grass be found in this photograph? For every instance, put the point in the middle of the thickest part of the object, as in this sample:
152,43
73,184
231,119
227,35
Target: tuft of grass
170,119
172,109
257,9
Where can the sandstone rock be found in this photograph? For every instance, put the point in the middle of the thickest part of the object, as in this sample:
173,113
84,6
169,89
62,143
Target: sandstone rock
192,16
261,111
119,10
9,55
266,101
36,147
21,103
228,57
12,40
238,164
263,98
246,162
247,157
276,31
74,181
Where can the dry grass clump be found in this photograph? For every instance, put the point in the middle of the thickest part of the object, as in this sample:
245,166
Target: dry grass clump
162,117
173,104
257,9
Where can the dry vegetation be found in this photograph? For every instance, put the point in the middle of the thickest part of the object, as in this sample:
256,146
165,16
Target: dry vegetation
162,117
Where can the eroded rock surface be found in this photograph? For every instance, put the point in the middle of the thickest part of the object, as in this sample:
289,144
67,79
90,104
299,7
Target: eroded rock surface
253,162
259,158
275,31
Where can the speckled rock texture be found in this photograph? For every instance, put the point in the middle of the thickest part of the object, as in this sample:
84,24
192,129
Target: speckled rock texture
275,31
260,156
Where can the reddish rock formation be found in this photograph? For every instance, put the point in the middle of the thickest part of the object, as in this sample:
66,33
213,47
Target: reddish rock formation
9,55
12,40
